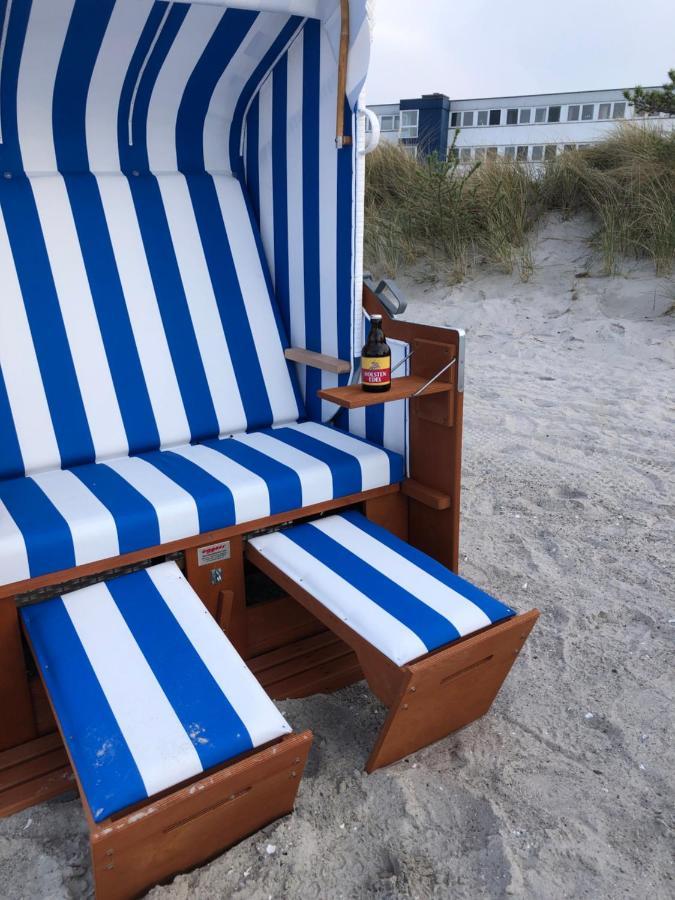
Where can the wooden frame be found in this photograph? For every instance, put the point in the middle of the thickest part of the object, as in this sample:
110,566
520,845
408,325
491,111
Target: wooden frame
282,642
432,696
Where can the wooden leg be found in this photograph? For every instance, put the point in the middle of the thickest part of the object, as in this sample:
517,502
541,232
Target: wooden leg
196,823
217,570
448,689
391,512
17,723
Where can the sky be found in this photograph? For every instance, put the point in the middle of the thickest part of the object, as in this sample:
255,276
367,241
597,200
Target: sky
487,48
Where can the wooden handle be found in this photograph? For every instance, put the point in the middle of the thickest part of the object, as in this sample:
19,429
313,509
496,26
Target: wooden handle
341,140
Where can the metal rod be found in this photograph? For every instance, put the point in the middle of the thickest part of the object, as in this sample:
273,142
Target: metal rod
435,378
403,361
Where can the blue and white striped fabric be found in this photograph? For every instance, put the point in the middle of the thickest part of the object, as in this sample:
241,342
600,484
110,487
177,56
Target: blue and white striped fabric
147,689
399,599
51,521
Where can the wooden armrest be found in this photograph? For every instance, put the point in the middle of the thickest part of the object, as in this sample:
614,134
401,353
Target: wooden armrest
318,360
427,495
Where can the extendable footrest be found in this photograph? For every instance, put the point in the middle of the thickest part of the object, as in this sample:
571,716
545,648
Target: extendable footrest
176,748
433,647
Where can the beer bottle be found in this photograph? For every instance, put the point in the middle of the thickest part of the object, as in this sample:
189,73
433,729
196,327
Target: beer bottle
376,359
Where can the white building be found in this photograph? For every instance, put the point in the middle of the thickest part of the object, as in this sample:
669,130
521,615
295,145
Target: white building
531,127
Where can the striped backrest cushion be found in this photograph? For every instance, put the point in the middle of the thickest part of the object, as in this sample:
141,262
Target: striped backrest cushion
136,314
136,308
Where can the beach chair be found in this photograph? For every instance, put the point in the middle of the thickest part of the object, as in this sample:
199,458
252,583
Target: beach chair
181,317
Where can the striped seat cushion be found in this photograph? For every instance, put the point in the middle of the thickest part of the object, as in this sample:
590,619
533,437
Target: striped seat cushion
400,600
147,689
51,521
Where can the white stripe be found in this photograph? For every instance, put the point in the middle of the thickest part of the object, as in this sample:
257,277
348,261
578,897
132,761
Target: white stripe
248,55
375,468
354,608
454,607
3,41
256,300
265,175
249,491
141,73
91,524
79,316
176,509
250,702
294,188
146,321
45,37
357,421
316,479
13,551
23,380
211,338
167,95
160,746
112,65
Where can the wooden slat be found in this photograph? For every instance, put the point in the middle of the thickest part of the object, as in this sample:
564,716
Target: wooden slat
32,773
17,723
318,360
427,495
354,397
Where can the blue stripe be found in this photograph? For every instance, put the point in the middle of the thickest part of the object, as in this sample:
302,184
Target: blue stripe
224,43
493,609
280,190
252,156
106,769
173,307
430,627
216,731
85,34
10,152
215,504
48,540
252,85
310,202
11,460
112,312
229,298
283,483
375,423
46,322
344,250
345,468
135,517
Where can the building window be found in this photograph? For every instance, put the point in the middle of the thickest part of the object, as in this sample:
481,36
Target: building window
521,154
604,110
573,113
495,117
537,154
619,111
510,152
540,114
554,113
525,116
492,152
455,121
511,116
569,148
454,153
483,117
587,112
468,119
550,152
465,154
389,123
480,152
410,123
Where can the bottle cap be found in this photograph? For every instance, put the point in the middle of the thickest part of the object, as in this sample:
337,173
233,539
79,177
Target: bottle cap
376,317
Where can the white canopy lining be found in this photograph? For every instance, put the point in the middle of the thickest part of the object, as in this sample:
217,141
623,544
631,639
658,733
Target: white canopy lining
311,9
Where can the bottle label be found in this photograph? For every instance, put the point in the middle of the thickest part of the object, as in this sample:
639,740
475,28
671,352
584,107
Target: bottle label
376,371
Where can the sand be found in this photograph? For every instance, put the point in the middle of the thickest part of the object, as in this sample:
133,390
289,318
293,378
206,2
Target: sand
566,788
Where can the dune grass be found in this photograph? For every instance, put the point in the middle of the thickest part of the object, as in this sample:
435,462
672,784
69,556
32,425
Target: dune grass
453,217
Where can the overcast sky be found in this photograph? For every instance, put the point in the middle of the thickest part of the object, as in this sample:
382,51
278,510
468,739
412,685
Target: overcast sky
488,48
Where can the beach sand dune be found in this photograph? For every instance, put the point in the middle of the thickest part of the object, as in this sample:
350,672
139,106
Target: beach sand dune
566,788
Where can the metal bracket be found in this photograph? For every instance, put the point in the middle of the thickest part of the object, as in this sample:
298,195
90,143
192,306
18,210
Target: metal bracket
388,293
